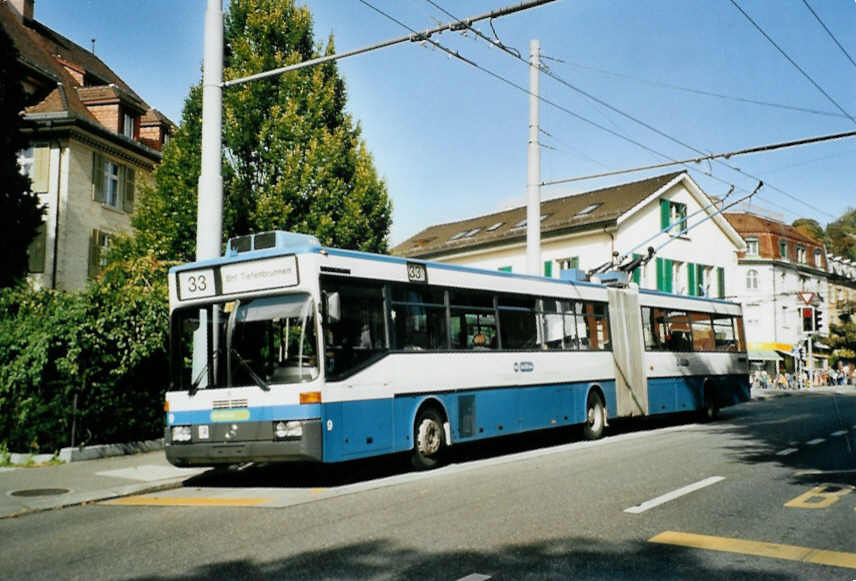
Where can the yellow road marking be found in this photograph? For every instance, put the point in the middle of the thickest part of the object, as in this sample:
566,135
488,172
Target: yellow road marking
178,501
818,497
758,548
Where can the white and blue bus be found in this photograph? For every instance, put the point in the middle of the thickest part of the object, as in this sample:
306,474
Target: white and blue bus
284,350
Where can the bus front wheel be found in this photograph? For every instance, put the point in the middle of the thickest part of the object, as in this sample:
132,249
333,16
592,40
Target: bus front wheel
429,440
593,427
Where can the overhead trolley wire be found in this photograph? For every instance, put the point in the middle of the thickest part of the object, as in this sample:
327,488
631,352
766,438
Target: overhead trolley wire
648,126
705,93
792,61
829,32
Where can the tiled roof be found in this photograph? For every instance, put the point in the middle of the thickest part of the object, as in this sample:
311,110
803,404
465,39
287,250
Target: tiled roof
562,214
155,117
749,224
61,94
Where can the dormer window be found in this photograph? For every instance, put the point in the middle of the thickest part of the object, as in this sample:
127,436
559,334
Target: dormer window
493,227
522,223
751,247
128,125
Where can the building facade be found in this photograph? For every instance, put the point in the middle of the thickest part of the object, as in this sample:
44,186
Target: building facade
584,230
842,289
93,142
782,283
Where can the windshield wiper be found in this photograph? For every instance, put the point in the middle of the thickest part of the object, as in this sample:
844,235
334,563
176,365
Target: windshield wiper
255,377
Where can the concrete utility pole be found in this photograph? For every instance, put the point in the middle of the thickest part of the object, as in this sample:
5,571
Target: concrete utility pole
533,182
209,216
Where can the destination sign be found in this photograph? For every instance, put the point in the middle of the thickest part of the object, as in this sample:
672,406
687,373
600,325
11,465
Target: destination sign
259,275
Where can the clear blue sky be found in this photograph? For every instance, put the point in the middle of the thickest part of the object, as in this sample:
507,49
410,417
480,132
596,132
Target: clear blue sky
450,141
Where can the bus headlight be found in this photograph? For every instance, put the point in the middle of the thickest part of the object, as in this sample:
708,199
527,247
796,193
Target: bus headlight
288,430
181,433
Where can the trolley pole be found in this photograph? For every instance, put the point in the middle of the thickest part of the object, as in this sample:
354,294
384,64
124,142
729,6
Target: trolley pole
209,216
533,185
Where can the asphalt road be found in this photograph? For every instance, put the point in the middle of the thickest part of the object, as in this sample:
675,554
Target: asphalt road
763,493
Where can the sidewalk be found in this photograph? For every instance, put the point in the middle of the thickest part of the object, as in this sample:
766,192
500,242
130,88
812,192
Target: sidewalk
40,488
761,394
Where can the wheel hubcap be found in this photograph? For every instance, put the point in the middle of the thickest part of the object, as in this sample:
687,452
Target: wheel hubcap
429,437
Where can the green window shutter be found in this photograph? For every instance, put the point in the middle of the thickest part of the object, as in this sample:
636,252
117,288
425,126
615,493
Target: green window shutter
98,177
720,275
574,262
636,275
505,268
700,284
691,280
665,214
129,184
668,267
36,251
548,268
94,253
661,274
41,167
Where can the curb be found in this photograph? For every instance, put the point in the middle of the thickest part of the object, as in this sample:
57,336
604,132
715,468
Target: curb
81,499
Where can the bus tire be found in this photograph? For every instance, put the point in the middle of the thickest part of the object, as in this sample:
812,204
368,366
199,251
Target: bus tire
429,439
595,417
710,410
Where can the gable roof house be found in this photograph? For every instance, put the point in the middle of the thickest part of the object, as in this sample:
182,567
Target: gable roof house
93,141
583,230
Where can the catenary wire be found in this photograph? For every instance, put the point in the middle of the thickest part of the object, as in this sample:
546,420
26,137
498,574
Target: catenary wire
648,126
829,32
792,61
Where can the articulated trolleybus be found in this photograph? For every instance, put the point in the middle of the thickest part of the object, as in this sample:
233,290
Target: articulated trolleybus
284,350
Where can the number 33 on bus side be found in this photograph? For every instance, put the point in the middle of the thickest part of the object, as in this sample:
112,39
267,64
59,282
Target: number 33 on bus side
196,284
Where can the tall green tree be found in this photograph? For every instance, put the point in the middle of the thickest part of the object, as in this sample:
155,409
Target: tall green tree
842,235
20,211
294,158
811,228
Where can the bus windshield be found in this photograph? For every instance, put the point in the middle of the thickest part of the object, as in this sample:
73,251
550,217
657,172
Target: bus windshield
264,342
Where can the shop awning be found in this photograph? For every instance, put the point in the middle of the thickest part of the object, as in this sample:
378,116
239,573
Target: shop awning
763,355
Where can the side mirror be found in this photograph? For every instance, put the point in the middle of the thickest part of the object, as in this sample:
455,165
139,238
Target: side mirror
334,307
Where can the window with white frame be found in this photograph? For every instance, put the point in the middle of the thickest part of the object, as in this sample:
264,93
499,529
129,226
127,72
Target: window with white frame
818,258
801,256
128,126
751,247
752,279
111,184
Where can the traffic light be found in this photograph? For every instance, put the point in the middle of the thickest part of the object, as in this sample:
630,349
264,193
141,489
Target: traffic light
818,318
807,319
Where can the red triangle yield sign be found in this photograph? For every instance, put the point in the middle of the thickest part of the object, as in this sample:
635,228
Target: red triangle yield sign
806,296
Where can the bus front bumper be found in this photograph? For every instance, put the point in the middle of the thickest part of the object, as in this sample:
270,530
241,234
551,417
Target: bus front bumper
220,451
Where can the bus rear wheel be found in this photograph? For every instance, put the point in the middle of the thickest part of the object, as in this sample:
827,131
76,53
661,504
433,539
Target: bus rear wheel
429,440
594,424
710,410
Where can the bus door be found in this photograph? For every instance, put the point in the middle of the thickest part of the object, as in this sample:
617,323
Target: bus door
631,381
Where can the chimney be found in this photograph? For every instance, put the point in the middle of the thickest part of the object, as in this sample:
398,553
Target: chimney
24,7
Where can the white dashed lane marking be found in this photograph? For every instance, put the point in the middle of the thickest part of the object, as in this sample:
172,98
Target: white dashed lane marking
838,433
816,441
649,504
786,452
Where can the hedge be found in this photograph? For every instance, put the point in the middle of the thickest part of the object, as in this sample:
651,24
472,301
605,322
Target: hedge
105,347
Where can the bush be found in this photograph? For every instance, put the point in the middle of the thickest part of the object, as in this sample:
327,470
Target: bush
106,345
